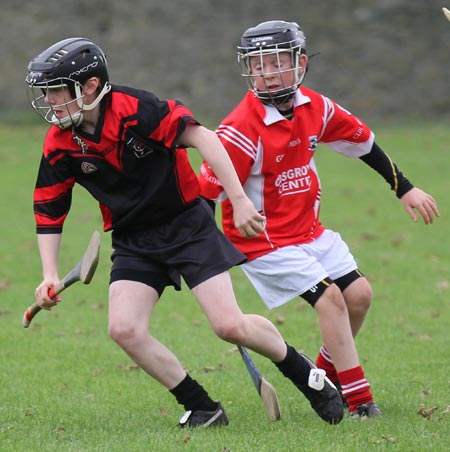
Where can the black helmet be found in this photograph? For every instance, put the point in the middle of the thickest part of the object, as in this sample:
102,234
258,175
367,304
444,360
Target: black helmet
272,38
68,63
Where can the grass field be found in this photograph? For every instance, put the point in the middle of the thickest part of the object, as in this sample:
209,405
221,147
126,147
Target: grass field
66,387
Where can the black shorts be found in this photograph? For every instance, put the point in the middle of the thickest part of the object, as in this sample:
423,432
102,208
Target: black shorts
189,245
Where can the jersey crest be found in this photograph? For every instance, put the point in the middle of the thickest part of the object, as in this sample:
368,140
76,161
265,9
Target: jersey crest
88,168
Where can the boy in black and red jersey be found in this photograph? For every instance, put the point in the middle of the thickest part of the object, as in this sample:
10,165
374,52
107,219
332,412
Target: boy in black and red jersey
128,149
271,138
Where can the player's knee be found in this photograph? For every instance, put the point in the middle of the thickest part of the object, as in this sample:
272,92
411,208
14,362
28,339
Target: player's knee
121,333
331,301
229,331
358,296
366,296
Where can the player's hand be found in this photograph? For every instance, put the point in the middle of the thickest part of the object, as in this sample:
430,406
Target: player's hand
42,297
425,204
247,220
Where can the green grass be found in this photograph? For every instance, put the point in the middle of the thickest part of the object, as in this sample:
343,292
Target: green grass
65,386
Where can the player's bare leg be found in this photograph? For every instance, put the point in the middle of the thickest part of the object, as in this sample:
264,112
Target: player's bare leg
335,328
345,367
358,298
130,307
257,333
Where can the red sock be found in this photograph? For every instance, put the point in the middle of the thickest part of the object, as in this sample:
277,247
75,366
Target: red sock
355,387
325,362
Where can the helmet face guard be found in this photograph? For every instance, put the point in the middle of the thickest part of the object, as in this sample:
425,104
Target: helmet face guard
37,96
273,38
66,65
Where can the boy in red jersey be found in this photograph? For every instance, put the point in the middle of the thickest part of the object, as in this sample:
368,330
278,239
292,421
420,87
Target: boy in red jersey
128,149
271,137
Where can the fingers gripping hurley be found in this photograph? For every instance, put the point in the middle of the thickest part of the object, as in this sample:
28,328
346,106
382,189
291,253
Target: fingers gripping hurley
83,271
265,389
446,13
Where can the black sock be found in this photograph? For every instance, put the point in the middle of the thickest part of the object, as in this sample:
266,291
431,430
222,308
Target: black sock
193,396
294,367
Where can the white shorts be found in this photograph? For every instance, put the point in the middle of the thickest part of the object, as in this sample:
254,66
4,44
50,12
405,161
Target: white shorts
287,272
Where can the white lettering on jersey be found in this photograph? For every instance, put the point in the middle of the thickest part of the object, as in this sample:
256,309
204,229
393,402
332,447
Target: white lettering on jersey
295,142
358,133
294,180
208,176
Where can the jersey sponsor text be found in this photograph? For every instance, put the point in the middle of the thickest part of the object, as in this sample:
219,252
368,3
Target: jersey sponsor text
294,180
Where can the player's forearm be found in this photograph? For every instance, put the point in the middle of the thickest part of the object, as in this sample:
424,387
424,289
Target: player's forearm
49,250
211,149
383,165
223,168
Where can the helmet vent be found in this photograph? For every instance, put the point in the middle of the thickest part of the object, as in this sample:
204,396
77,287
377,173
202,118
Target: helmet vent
57,55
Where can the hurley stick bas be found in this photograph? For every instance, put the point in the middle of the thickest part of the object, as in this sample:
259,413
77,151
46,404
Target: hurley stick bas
265,390
83,271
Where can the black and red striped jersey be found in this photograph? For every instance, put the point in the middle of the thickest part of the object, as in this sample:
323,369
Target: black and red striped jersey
132,164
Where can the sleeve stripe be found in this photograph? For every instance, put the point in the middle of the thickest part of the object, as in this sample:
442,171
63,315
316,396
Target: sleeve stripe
53,192
328,113
235,137
394,174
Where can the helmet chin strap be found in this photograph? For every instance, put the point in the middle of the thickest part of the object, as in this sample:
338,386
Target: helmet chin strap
106,89
76,118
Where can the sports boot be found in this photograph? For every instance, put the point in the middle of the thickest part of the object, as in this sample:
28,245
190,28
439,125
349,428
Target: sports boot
322,394
369,409
204,418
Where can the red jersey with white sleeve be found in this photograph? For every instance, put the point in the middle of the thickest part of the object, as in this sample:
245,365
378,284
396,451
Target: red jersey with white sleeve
274,159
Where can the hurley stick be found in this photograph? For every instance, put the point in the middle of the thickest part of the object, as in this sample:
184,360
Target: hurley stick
83,271
446,12
265,390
